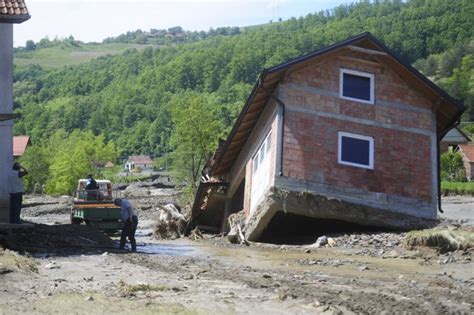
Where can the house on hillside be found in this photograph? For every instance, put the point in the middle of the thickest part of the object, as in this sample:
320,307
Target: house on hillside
467,153
453,139
142,162
346,134
11,12
20,144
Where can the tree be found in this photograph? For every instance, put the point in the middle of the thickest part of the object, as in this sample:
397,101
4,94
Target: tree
37,161
30,45
195,135
74,157
452,168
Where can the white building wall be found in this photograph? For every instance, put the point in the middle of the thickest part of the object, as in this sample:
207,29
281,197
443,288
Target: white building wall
6,107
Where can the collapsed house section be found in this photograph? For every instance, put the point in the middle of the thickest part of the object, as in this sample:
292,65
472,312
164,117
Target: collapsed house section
347,134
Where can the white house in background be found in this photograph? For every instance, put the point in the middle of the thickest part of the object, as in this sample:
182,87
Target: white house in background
11,12
142,162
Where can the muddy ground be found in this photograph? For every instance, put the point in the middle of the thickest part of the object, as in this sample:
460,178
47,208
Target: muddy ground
361,273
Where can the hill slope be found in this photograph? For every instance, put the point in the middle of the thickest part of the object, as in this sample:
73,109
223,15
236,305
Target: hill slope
63,55
132,98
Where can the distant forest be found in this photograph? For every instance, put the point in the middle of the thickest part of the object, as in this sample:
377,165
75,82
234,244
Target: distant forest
135,101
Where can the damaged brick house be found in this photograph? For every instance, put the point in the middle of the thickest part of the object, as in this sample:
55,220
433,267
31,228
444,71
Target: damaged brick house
11,12
349,133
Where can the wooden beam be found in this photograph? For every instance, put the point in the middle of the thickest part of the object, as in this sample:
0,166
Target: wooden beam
366,51
367,62
247,124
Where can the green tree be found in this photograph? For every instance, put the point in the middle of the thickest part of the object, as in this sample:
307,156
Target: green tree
37,161
30,45
74,157
195,135
452,168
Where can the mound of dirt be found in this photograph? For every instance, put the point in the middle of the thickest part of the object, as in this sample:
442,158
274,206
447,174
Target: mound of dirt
11,261
444,240
54,238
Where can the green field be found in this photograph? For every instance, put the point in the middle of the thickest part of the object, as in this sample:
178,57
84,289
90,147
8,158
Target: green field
62,55
457,188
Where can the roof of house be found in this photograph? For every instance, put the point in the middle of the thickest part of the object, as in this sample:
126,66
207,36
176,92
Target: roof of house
13,11
140,159
468,151
448,110
19,144
456,136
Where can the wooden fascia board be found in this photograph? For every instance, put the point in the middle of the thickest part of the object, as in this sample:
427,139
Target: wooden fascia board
247,124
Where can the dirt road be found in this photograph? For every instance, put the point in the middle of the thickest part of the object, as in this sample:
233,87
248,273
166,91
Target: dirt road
364,273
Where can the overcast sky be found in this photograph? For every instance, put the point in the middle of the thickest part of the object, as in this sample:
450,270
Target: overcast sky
94,20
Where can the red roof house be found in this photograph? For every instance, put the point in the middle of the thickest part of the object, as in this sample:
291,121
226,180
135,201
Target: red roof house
20,143
467,152
143,162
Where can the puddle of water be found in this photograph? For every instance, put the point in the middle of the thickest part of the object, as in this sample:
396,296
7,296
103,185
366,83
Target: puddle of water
166,249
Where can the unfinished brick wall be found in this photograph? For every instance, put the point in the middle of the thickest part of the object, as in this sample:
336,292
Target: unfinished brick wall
403,163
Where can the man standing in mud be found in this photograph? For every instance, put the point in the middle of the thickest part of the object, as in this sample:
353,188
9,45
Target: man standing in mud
130,222
16,192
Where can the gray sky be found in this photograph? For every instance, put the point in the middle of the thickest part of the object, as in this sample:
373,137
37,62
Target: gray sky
94,20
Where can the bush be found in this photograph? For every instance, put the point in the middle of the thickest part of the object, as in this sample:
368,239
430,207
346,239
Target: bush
452,167
457,188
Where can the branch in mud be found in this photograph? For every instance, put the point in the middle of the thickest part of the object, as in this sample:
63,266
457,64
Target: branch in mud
236,236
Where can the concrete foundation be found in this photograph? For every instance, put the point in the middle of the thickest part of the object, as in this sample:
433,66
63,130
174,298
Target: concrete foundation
322,207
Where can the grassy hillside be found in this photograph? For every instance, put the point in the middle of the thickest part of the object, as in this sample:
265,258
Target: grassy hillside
161,101
64,55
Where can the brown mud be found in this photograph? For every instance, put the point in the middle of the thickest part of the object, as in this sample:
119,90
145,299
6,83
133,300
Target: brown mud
362,273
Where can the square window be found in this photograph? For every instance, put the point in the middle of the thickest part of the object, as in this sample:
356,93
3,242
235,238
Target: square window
355,150
356,86
262,153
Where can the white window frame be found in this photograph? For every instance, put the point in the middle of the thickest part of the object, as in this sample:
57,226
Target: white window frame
263,150
355,136
261,159
371,76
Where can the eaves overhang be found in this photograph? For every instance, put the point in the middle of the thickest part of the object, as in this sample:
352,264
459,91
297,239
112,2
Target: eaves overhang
5,117
14,19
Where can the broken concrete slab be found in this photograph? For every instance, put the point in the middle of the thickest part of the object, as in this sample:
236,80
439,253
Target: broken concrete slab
322,207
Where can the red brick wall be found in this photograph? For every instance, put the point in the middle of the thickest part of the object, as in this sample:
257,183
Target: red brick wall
402,159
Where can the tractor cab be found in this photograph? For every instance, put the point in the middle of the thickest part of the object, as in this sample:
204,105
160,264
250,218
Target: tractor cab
95,207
